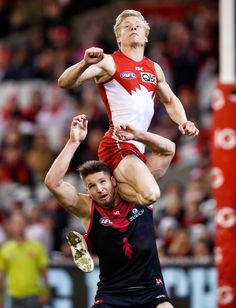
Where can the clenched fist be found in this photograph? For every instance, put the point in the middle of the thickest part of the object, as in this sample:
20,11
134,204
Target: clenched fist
93,55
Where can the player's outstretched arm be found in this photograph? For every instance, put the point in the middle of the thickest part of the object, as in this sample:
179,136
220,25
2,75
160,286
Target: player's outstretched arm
85,70
173,105
66,194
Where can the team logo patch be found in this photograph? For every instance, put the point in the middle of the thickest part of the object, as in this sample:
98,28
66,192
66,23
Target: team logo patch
105,221
128,75
149,78
136,213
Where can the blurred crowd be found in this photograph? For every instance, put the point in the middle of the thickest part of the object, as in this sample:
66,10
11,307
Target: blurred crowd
38,40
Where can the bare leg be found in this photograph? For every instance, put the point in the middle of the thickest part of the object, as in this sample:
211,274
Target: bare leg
161,156
135,181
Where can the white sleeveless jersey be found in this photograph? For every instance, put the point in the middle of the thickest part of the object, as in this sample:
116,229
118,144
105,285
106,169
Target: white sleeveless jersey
129,94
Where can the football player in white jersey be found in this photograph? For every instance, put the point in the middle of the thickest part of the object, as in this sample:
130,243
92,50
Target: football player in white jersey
137,179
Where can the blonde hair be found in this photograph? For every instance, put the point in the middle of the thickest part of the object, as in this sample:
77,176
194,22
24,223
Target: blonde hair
128,13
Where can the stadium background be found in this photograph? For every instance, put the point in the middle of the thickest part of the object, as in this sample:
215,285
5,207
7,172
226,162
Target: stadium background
38,40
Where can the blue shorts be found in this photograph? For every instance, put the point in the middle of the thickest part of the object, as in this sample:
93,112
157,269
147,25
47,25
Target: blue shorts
140,298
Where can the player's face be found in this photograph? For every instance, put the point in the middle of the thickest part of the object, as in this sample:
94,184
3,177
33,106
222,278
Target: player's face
132,32
17,226
101,188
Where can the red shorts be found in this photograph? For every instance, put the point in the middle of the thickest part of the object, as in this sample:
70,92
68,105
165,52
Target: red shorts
112,151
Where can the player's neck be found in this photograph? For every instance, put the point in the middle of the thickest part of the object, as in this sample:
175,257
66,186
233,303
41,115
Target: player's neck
117,199
135,53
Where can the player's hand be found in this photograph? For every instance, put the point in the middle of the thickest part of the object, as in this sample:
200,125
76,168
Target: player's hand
125,132
188,128
79,128
93,55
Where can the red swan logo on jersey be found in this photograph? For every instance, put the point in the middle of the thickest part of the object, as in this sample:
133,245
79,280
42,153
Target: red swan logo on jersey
127,248
105,221
128,75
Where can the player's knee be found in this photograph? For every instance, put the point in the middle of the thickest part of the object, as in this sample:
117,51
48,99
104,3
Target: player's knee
150,195
171,148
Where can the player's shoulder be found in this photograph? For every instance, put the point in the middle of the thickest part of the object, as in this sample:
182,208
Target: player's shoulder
157,66
159,71
107,66
108,59
8,246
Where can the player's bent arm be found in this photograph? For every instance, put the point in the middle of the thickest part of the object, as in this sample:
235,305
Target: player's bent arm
71,200
171,102
153,142
77,74
65,193
156,143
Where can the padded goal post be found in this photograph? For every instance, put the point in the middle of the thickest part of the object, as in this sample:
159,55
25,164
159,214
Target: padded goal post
223,149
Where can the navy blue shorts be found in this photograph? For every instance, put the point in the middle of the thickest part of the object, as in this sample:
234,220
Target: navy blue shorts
140,298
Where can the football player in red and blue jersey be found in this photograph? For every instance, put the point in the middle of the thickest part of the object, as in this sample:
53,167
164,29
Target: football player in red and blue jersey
120,232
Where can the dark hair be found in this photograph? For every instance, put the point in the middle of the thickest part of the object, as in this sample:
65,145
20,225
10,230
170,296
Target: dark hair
93,166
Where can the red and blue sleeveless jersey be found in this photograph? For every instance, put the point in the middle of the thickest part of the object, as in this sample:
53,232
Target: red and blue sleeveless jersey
124,241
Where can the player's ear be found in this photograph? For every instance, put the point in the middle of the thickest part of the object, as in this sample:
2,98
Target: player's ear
113,180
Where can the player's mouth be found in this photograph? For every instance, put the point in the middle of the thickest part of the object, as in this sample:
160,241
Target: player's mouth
103,197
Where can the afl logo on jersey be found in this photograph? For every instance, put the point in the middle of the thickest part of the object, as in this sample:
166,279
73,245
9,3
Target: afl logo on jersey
149,78
105,221
128,75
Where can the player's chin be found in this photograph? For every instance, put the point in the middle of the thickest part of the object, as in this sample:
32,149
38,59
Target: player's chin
105,203
136,43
